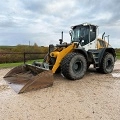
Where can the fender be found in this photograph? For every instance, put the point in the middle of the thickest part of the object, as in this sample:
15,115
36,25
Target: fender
82,51
109,50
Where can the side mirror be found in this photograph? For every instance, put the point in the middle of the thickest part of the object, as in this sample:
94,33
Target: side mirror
70,32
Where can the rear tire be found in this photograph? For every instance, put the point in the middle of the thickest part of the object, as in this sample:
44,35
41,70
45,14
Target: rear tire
107,64
74,66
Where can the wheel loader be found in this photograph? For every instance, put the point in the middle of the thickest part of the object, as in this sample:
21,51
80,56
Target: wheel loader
70,59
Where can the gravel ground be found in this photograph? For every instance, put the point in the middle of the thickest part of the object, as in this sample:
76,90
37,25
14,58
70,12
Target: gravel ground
95,97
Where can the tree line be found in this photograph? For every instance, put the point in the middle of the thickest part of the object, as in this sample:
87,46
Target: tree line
21,49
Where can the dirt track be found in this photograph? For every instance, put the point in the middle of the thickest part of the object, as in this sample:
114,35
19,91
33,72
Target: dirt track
95,97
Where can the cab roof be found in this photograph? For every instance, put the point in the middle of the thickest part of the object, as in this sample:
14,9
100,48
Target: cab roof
84,24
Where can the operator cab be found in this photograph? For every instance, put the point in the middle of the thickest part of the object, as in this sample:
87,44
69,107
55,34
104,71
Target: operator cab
84,33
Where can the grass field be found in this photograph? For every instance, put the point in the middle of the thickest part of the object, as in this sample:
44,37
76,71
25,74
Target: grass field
118,55
10,65
6,47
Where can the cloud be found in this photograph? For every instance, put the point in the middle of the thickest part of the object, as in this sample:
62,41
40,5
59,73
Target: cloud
42,21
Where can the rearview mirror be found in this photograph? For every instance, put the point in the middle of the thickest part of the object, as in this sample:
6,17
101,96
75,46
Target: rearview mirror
70,32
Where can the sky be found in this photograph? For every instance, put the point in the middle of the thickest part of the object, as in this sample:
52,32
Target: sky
41,21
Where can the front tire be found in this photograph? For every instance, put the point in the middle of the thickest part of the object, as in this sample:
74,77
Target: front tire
74,66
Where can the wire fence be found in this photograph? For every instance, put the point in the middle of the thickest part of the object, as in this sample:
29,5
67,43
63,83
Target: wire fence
24,58
10,57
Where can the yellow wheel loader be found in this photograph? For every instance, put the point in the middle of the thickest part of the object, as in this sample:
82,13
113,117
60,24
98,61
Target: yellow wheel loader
71,59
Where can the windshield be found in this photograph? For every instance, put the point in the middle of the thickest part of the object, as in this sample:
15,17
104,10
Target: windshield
79,33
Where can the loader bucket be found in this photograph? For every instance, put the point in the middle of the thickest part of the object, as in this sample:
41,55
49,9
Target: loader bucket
28,77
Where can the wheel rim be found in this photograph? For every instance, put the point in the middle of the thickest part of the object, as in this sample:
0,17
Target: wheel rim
109,64
77,66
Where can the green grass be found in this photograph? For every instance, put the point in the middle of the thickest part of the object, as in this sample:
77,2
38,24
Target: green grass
118,56
10,65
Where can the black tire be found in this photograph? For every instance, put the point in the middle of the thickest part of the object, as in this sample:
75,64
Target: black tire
107,64
74,66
